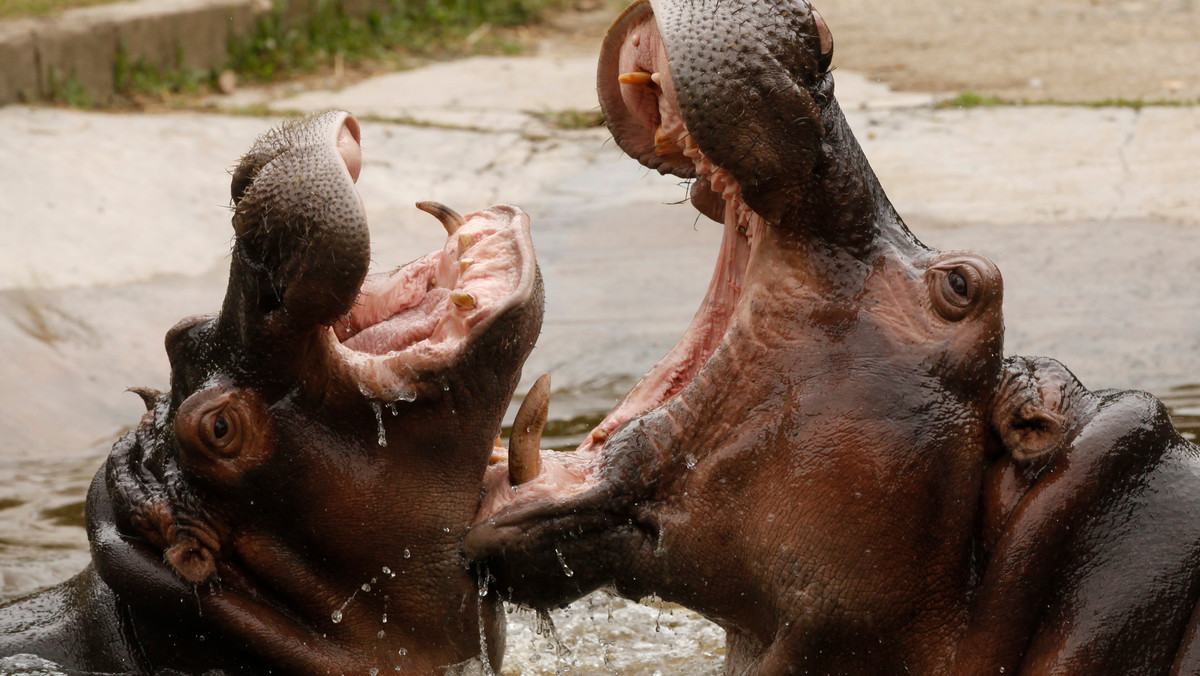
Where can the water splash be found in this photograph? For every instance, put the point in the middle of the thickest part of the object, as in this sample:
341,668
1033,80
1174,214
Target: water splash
483,644
336,616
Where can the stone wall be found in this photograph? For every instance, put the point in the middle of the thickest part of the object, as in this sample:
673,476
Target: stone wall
39,57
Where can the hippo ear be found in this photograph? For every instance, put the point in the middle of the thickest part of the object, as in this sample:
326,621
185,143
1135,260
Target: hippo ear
1031,431
1028,413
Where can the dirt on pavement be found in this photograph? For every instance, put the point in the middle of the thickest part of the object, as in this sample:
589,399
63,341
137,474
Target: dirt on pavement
1067,51
1036,50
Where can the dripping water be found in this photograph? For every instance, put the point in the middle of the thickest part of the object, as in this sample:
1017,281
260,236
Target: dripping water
382,438
563,562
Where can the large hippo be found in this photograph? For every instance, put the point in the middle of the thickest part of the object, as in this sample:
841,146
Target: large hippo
835,463
295,503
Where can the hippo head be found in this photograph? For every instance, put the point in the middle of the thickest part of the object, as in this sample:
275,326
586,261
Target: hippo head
298,497
805,466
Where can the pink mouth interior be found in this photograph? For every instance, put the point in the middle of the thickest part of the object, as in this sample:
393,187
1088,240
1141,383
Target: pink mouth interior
431,305
440,297
653,117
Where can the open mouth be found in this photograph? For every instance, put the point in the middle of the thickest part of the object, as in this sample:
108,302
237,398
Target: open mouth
421,316
641,109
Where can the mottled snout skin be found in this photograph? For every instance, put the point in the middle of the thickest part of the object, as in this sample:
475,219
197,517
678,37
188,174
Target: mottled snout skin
846,486
266,515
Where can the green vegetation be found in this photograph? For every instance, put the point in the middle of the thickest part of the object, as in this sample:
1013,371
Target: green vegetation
572,119
16,9
330,38
969,99
407,28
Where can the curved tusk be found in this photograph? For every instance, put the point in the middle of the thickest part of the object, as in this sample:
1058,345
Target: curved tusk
525,442
450,218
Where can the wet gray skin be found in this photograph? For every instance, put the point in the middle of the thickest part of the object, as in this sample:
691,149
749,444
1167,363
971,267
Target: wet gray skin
807,467
295,502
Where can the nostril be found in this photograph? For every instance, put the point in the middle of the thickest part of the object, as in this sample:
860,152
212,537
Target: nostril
349,147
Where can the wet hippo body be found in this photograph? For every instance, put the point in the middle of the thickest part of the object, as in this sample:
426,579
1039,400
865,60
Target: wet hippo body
295,502
813,466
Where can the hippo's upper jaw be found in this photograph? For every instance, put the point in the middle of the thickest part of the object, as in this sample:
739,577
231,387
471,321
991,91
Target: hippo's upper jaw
321,453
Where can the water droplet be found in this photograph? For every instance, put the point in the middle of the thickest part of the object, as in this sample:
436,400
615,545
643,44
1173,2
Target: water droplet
402,652
373,672
690,462
563,562
381,634
446,529
407,554
382,439
336,616
385,618
391,407
366,587
387,571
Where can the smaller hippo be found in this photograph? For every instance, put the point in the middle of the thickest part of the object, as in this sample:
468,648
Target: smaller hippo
295,503
1091,528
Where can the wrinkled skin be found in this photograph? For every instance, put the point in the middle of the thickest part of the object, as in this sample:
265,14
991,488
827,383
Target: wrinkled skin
254,522
807,467
1092,530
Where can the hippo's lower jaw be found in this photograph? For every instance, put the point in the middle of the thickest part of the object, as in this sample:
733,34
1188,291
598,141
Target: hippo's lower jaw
411,322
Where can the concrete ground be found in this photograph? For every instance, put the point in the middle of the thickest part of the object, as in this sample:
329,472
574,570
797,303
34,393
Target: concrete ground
116,225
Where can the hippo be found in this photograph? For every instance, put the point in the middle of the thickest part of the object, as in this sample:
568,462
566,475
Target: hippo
836,463
295,503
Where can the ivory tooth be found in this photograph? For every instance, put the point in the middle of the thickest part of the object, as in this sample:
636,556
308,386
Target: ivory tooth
451,219
635,79
462,299
525,443
465,263
464,242
663,144
656,78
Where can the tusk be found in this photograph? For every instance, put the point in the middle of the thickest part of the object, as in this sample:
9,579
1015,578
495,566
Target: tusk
525,442
663,144
450,218
465,241
637,79
462,300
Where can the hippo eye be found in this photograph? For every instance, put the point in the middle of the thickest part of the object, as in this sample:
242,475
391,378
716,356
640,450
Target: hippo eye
220,427
956,283
955,288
